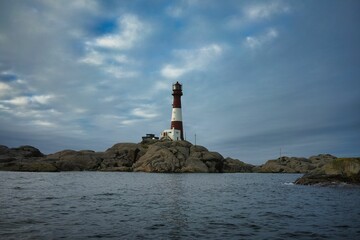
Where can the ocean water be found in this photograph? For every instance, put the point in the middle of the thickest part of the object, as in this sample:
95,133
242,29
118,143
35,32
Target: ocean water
112,205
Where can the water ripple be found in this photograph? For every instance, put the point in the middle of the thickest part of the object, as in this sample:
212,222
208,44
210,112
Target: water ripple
83,205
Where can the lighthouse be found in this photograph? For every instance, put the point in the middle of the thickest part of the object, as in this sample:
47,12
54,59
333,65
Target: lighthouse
176,131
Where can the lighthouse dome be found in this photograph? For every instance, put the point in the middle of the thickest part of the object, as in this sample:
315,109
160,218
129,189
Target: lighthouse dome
177,86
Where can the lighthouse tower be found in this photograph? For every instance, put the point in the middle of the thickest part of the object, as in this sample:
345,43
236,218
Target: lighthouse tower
176,132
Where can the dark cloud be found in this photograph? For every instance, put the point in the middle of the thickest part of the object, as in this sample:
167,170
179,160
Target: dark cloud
7,77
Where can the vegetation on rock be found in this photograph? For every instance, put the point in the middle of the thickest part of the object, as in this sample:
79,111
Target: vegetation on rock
338,170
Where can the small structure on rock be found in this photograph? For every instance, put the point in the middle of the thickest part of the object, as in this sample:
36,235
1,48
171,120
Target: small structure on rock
149,136
176,132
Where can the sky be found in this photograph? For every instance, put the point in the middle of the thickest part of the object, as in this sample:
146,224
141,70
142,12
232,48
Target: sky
260,78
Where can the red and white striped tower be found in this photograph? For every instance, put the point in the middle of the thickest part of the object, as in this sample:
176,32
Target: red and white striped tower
176,116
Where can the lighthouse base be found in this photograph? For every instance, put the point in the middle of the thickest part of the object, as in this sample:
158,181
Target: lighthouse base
171,134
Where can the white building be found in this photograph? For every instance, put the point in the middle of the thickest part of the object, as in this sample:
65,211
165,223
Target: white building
171,134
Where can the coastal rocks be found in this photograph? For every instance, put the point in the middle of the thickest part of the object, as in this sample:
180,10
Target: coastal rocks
69,160
176,157
24,158
294,164
338,170
121,157
147,156
320,160
23,152
38,166
193,165
179,156
28,166
234,165
285,164
157,159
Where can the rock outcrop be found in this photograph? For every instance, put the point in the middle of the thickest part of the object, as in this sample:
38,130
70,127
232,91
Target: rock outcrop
147,156
70,160
179,156
176,157
294,164
338,170
23,152
235,165
24,158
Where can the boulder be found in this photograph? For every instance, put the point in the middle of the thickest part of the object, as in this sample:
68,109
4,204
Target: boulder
293,164
29,166
178,156
38,166
27,152
20,153
338,170
70,160
23,158
320,160
235,165
278,166
194,165
5,158
158,159
121,156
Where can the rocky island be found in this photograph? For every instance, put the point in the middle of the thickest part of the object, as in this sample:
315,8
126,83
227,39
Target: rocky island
323,169
147,156
164,156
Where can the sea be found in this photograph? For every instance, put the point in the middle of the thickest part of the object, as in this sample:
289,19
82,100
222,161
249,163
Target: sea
120,205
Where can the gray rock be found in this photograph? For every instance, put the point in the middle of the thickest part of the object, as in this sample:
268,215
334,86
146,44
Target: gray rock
335,171
147,156
122,156
194,165
158,159
235,165
178,156
20,153
70,160
295,164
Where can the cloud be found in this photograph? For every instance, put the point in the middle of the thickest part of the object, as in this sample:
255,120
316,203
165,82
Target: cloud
7,76
89,5
23,101
181,8
120,72
130,31
191,60
129,122
18,101
41,99
146,112
170,71
265,10
24,104
255,42
161,85
43,123
93,58
109,52
257,12
175,11
4,88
